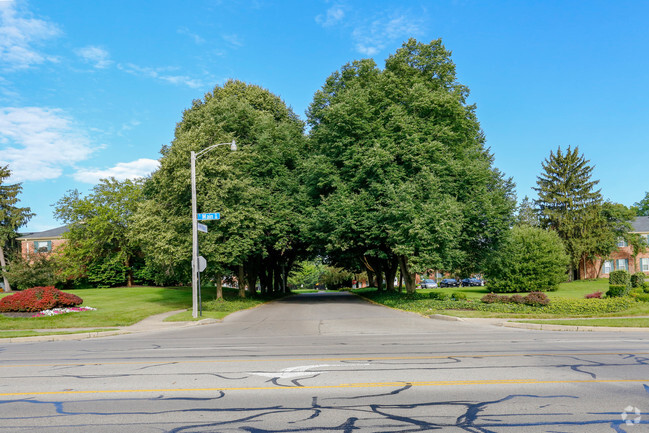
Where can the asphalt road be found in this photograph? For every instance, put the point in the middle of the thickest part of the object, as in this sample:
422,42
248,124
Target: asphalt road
329,363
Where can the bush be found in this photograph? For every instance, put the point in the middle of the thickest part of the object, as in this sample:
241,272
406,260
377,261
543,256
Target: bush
458,296
536,299
439,296
38,270
38,299
492,298
617,290
530,260
637,280
517,299
619,278
644,297
595,295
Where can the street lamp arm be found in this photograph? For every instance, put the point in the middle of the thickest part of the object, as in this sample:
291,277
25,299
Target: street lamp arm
233,146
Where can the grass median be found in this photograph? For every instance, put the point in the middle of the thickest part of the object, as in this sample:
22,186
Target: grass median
124,306
567,302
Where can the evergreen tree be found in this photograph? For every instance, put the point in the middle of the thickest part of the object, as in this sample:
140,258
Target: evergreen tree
568,202
527,215
11,217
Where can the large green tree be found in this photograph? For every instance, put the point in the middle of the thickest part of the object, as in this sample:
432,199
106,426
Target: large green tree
642,207
12,217
256,189
398,173
569,204
101,245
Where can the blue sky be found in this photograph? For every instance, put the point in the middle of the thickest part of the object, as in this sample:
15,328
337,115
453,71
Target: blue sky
91,89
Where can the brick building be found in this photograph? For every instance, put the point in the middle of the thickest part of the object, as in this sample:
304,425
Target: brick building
622,259
42,242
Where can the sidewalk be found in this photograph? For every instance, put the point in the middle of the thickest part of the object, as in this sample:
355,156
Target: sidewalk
150,324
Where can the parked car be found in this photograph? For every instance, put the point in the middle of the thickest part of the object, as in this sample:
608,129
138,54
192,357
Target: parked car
449,282
471,282
428,284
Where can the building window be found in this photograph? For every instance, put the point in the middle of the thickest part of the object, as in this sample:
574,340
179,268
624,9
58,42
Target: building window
644,265
622,243
42,246
608,267
622,264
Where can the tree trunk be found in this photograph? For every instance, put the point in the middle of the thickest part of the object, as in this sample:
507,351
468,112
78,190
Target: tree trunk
408,277
390,272
3,266
242,283
252,271
219,286
400,281
129,272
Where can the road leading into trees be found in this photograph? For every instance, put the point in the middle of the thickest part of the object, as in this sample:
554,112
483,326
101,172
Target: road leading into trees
329,363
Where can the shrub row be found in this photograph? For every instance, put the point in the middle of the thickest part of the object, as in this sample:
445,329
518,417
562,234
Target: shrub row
533,298
38,299
568,307
617,290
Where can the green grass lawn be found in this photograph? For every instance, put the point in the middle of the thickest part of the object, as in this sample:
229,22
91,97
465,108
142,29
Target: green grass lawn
572,292
123,306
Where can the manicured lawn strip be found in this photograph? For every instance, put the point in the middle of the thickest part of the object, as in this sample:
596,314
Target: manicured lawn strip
124,306
560,307
119,306
623,323
17,334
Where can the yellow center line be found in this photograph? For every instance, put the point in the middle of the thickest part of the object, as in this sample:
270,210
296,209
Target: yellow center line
364,358
340,386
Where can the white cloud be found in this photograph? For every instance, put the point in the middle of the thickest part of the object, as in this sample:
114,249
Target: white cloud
37,143
160,74
334,15
185,31
123,170
95,55
233,39
374,36
19,33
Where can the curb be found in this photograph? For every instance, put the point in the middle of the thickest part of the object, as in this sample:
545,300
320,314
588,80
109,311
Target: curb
447,318
548,327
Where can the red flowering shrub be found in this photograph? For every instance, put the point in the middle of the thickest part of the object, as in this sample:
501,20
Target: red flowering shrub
38,299
596,295
536,299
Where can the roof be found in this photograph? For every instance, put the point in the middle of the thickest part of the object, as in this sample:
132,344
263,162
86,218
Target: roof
641,224
47,234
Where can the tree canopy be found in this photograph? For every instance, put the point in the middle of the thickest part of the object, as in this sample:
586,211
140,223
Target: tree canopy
399,173
642,207
101,246
12,217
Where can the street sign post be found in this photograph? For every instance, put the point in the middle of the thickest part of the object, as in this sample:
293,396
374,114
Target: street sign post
208,216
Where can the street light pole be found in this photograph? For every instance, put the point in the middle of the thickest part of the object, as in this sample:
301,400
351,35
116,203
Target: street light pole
195,272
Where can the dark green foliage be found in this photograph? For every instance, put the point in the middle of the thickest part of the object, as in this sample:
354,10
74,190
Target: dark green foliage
37,270
440,296
644,297
568,202
620,278
530,259
101,245
565,307
637,279
11,217
642,207
399,173
617,290
458,296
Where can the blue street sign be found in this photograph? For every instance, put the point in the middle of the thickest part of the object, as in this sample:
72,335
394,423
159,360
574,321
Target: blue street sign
209,216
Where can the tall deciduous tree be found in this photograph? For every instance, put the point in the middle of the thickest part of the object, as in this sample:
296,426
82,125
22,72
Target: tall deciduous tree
399,174
642,207
569,203
100,243
256,189
12,217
